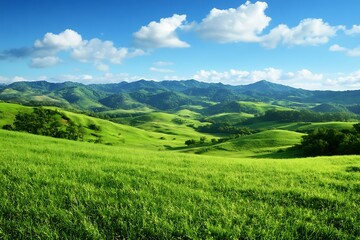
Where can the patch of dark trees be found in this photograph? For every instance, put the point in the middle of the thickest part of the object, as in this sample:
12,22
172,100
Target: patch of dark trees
326,142
47,122
225,128
305,116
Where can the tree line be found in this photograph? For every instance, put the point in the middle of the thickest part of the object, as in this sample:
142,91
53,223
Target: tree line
47,122
225,128
326,142
306,116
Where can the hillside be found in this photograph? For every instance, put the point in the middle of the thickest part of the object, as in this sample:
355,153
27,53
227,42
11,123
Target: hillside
267,143
54,188
151,134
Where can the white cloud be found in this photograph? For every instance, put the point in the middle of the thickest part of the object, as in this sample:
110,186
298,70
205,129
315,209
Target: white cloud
243,24
45,53
161,34
304,75
44,62
8,80
354,30
351,52
161,70
97,50
238,77
4,80
355,52
136,53
163,63
62,41
345,81
82,78
337,48
309,32
303,78
102,67
270,74
118,77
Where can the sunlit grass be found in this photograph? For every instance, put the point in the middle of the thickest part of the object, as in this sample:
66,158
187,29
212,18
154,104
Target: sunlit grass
54,188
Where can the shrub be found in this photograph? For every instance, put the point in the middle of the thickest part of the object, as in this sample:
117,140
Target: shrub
190,142
8,127
94,127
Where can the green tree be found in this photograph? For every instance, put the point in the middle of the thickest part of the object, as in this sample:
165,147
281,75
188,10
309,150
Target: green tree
190,142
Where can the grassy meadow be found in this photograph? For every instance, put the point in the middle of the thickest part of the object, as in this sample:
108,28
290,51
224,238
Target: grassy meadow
60,189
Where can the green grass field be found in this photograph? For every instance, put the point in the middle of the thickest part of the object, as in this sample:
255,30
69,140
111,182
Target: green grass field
143,183
59,189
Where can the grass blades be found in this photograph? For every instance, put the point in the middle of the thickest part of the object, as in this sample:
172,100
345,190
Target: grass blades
59,189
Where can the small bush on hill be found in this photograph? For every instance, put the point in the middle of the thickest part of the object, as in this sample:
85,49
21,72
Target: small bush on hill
94,127
190,142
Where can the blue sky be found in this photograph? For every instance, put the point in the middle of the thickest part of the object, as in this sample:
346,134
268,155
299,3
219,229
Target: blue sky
311,44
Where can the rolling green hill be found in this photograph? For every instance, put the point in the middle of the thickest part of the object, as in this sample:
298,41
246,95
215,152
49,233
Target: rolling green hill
115,134
233,118
52,188
264,143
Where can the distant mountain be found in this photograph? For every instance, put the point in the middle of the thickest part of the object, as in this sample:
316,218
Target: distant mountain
169,100
122,101
165,95
267,87
267,90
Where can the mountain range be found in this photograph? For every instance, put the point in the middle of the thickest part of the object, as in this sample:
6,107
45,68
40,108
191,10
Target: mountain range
167,95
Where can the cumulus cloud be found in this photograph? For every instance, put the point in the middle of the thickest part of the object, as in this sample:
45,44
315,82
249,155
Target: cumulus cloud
344,81
243,24
45,52
337,48
8,80
62,41
97,51
248,22
237,77
102,67
161,34
354,30
44,62
351,52
304,74
309,32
